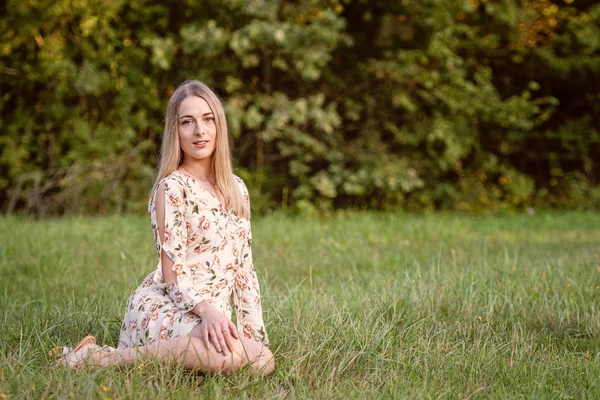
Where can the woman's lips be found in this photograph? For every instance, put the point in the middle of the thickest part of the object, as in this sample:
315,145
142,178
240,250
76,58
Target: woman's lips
200,143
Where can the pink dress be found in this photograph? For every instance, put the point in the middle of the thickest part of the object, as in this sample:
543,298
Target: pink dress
211,251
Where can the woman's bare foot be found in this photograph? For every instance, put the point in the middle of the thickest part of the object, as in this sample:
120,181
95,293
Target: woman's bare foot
78,358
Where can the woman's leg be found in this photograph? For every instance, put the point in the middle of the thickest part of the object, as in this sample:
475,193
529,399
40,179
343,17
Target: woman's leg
191,352
185,350
260,357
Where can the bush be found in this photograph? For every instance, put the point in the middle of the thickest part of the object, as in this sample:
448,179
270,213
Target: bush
424,105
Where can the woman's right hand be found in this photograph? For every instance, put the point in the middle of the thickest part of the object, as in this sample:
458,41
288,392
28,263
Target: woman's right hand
216,328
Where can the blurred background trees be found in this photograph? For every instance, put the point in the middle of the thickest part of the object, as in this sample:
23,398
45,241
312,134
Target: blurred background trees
434,104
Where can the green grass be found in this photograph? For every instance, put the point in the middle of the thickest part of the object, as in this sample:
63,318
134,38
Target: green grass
357,305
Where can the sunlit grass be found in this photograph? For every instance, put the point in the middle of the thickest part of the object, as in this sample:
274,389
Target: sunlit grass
357,305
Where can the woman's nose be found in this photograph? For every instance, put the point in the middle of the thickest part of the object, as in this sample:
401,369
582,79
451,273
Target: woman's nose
198,130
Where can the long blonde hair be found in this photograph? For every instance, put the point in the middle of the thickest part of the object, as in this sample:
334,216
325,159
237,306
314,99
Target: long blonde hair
171,155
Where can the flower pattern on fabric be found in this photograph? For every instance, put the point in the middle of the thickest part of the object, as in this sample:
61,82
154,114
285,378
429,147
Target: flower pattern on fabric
212,258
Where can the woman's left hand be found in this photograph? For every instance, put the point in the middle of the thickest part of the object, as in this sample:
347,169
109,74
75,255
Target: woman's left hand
215,328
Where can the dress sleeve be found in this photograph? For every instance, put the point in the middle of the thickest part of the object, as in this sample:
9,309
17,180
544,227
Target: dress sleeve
248,306
247,301
183,293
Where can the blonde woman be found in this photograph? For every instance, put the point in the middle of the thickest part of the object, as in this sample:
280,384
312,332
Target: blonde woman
200,215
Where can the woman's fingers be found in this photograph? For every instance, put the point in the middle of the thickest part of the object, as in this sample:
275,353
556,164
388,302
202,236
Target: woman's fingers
227,336
222,342
233,330
206,339
219,331
215,339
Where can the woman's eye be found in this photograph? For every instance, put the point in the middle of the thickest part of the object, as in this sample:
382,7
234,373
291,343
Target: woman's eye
209,119
186,122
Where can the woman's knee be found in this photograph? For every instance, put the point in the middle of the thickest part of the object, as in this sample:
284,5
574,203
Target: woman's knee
264,362
254,354
259,357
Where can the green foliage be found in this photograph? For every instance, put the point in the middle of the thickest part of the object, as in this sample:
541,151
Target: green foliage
436,104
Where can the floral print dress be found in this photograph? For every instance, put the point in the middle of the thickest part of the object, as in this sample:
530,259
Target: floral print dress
212,257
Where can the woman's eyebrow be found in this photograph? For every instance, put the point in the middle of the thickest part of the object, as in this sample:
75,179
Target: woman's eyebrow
191,116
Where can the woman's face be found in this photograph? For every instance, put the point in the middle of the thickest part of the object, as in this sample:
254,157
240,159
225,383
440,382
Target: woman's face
197,129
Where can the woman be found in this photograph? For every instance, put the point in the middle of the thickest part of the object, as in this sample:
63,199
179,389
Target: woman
200,215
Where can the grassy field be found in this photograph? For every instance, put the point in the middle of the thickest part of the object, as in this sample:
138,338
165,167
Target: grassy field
357,305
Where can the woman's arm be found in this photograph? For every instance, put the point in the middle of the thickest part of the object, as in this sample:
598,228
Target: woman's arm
171,214
247,300
169,276
246,293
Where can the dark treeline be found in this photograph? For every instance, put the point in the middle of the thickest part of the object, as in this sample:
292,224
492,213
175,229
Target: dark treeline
432,104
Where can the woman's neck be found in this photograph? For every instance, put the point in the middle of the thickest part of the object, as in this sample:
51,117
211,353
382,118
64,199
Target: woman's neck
199,169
